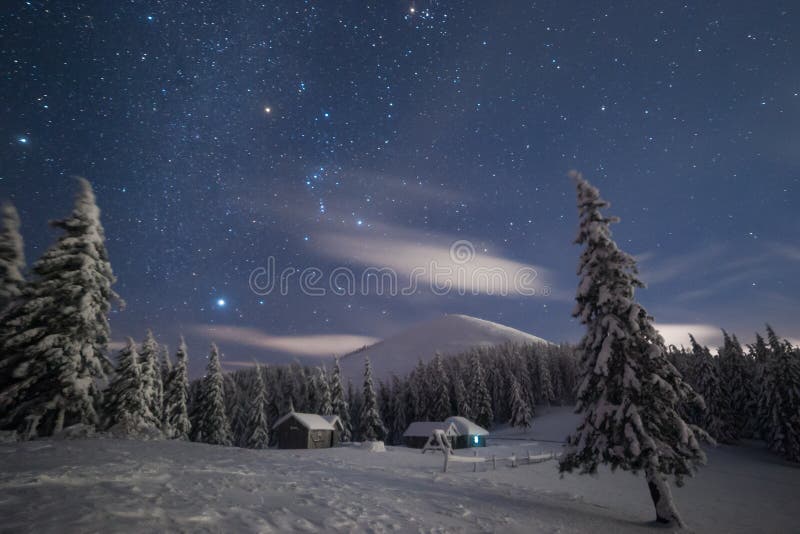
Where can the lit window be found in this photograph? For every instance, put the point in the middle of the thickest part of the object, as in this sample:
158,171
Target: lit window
476,440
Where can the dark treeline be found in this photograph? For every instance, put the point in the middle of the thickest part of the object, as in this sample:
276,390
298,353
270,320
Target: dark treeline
749,393
491,385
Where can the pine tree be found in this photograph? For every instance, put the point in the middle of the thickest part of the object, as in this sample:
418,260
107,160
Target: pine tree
520,411
257,429
480,400
126,408
370,424
213,425
545,383
12,257
461,398
735,381
400,417
440,390
166,366
780,398
338,402
629,393
714,419
176,397
54,340
153,388
325,403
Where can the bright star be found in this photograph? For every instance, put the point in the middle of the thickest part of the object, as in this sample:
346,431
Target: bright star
359,222
22,140
267,110
221,303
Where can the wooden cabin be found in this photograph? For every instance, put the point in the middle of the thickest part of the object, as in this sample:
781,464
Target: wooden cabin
469,434
306,431
338,428
418,432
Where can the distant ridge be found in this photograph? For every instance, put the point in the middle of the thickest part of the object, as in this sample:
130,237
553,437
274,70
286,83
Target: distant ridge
449,334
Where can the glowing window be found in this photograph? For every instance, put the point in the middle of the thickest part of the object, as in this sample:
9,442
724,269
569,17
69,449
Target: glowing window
476,440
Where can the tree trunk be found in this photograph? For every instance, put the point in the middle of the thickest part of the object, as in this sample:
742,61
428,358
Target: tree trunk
662,498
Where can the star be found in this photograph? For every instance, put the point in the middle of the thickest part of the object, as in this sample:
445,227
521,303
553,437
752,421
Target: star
267,110
221,303
23,140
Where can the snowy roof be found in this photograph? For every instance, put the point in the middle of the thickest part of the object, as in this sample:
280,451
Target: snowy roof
311,421
333,419
426,428
466,427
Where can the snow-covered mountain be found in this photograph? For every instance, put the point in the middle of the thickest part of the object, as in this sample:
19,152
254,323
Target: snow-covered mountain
449,334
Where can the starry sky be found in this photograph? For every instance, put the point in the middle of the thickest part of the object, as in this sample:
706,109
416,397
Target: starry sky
218,134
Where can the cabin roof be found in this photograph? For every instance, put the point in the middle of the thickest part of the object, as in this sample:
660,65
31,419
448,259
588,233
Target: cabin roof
466,427
333,420
426,428
311,421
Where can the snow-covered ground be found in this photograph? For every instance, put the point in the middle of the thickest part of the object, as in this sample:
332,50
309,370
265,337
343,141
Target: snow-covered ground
106,485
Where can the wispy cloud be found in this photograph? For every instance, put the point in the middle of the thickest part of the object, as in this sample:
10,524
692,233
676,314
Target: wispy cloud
309,345
469,266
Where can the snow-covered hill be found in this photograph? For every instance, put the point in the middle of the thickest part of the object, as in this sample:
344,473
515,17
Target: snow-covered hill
449,334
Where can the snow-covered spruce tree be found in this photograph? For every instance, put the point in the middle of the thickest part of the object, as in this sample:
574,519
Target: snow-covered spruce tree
629,393
12,256
440,390
257,428
461,398
153,388
520,411
325,402
480,400
400,417
780,398
736,384
237,404
714,418
370,423
166,366
126,409
338,402
545,383
176,396
213,425
54,340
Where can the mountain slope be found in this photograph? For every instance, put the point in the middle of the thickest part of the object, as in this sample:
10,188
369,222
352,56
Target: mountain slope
449,334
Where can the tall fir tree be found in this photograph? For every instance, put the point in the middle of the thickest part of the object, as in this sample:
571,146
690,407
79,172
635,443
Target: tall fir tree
714,418
12,257
54,340
126,408
440,390
546,393
520,410
257,428
338,401
461,398
325,402
480,400
370,423
400,417
176,414
736,384
166,367
153,388
213,426
629,393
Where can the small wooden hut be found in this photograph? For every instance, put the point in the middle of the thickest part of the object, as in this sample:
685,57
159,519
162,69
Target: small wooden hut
305,431
469,434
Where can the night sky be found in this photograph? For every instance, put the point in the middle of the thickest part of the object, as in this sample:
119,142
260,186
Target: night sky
333,133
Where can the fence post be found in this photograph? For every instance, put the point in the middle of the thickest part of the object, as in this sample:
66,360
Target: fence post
494,462
475,464
446,458
513,460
